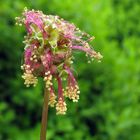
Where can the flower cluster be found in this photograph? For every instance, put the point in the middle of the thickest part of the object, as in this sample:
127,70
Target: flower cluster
49,46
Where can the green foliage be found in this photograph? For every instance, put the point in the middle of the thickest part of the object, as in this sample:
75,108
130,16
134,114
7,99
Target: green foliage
109,102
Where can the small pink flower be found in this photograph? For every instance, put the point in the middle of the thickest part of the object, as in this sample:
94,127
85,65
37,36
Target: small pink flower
49,47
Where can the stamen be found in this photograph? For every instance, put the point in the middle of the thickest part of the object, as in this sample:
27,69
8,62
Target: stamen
72,93
61,107
52,99
29,78
48,79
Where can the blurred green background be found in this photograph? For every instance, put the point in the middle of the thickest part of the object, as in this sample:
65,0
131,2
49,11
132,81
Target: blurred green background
109,105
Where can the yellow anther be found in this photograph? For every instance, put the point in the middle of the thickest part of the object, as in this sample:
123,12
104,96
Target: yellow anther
52,99
61,107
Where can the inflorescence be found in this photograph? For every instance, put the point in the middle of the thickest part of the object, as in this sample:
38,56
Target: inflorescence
49,46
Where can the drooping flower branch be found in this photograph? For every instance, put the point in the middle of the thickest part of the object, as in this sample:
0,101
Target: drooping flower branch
49,46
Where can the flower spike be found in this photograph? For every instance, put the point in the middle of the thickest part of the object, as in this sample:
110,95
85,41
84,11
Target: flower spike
48,53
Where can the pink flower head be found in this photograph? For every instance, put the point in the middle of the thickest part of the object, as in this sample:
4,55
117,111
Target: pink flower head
49,47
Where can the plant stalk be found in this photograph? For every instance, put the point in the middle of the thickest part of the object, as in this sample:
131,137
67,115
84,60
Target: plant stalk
43,132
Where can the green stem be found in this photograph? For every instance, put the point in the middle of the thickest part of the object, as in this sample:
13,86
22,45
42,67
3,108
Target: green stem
43,132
